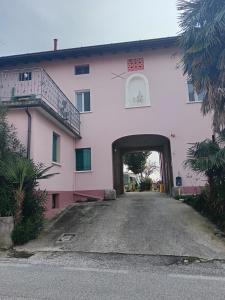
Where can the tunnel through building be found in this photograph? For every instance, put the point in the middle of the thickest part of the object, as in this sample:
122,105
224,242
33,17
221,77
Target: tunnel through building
144,142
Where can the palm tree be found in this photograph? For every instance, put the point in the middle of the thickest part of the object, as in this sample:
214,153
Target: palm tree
202,42
23,173
208,157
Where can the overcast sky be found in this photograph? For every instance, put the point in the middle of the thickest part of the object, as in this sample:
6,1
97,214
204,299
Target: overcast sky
30,25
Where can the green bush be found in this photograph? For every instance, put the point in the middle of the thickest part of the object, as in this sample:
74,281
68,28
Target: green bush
19,179
7,199
19,234
146,184
33,217
207,157
196,201
35,206
24,232
203,204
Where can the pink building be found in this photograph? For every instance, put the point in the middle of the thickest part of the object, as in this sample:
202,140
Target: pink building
81,109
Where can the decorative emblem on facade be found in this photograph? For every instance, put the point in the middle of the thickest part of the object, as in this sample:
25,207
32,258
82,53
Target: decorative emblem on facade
139,98
121,75
135,64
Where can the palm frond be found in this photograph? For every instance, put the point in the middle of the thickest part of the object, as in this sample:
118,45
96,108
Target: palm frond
203,56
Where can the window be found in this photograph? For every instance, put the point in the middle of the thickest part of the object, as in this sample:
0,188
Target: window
55,201
83,159
25,76
83,101
193,95
82,69
55,148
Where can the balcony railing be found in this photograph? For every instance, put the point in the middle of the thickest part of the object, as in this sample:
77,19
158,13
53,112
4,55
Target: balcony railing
36,84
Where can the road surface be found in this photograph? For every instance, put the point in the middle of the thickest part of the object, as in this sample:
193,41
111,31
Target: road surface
138,223
69,275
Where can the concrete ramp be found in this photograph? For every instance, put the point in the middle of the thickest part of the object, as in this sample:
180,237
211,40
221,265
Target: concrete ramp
137,223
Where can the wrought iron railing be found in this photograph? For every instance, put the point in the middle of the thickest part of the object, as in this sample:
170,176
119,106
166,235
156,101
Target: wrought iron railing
34,84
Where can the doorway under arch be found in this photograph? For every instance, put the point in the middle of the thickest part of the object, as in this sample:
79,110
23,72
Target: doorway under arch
142,142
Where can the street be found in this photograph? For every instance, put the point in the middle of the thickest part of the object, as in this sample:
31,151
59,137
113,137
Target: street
140,246
111,276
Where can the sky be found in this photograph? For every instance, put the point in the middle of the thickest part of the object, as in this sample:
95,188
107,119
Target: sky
31,25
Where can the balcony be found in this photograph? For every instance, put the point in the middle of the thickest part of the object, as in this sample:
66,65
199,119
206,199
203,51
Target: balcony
35,88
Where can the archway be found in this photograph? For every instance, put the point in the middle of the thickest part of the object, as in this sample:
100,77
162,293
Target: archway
151,142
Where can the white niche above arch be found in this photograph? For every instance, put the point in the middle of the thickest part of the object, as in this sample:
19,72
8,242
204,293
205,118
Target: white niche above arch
137,91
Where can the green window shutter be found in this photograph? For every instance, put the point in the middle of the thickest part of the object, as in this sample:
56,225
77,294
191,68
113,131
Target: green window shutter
79,160
54,148
87,105
79,101
83,159
87,159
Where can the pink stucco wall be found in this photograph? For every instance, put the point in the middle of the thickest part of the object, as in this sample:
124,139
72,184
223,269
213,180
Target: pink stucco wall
18,118
42,131
41,152
109,120
41,145
65,199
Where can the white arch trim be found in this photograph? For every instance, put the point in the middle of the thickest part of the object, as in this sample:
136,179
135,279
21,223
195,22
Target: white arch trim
137,91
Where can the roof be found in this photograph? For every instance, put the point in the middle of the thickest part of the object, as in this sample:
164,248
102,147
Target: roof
44,107
88,51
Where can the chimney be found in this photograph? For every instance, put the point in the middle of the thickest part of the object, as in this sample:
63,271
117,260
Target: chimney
55,44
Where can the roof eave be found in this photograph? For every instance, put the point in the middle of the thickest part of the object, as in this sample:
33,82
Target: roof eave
88,50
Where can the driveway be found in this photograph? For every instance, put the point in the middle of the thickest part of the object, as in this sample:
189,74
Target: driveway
137,223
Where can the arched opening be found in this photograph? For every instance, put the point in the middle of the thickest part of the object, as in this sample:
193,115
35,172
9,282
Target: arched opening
137,91
143,142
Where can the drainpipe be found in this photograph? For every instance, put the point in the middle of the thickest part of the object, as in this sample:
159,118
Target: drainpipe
28,132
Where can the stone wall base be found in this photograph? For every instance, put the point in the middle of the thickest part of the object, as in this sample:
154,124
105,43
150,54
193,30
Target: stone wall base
187,190
110,194
59,200
6,229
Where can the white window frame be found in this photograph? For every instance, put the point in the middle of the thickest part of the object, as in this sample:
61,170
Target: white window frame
196,95
82,65
84,171
58,149
82,91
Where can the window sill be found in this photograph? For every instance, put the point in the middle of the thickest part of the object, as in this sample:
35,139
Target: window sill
138,106
84,74
87,171
85,112
192,102
56,164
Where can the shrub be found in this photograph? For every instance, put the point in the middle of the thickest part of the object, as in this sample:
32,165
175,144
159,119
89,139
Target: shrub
7,199
203,204
19,178
35,206
33,217
24,232
32,214
146,184
207,157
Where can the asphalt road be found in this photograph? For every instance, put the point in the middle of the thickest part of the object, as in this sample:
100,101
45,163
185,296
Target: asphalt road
141,246
110,276
138,223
